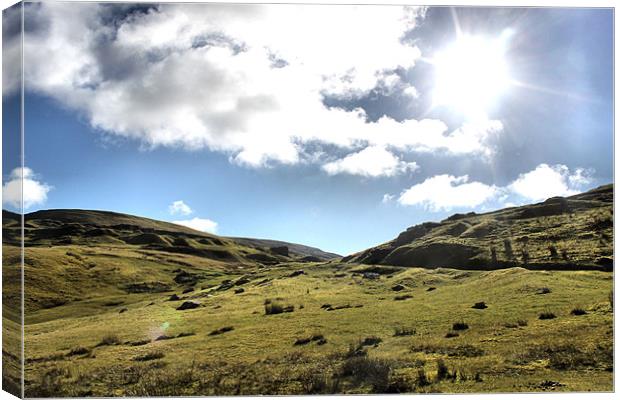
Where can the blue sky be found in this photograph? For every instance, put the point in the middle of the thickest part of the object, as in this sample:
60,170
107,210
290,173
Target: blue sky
264,126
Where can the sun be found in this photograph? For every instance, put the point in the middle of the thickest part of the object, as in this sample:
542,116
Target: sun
471,74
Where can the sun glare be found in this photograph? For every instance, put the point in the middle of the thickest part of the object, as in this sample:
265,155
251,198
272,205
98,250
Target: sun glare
471,74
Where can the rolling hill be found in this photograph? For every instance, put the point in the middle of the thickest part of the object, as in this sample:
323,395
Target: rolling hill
560,233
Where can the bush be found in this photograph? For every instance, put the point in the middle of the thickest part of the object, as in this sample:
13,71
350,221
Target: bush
368,371
371,341
459,326
154,355
109,340
546,315
578,311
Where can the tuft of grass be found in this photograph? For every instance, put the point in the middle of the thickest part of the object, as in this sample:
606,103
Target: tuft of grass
578,311
221,330
78,351
110,340
459,326
154,355
400,331
546,315
272,308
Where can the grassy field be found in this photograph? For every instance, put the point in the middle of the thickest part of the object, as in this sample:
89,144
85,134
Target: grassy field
117,305
374,339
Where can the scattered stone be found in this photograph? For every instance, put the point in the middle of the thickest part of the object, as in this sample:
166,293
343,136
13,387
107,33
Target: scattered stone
371,275
239,290
188,305
398,287
430,289
174,297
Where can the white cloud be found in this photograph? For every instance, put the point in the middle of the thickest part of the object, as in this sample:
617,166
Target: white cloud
200,224
179,208
373,161
550,180
445,192
387,198
34,191
246,80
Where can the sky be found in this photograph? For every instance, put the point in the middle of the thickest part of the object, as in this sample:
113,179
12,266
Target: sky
331,126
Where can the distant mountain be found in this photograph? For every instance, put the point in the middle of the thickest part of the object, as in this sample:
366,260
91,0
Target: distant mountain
84,227
560,233
293,248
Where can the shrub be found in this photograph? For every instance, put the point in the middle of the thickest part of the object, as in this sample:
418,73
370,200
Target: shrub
154,355
578,311
546,315
368,371
109,340
553,252
459,326
302,341
480,305
451,335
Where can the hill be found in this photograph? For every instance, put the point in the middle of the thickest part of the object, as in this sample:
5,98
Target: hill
560,233
311,253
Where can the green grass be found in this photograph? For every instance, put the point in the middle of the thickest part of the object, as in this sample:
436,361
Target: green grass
259,355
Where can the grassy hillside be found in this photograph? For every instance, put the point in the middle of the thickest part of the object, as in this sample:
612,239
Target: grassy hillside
311,253
571,233
122,306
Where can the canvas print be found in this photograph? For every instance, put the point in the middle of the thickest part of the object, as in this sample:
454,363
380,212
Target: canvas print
284,199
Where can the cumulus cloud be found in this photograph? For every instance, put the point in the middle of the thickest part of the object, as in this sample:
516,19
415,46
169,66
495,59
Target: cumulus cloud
245,80
34,191
445,192
373,161
179,208
200,224
550,180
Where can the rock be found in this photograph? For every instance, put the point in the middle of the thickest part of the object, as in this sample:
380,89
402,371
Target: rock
187,290
174,297
371,275
480,305
398,287
188,305
242,281
239,290
297,273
